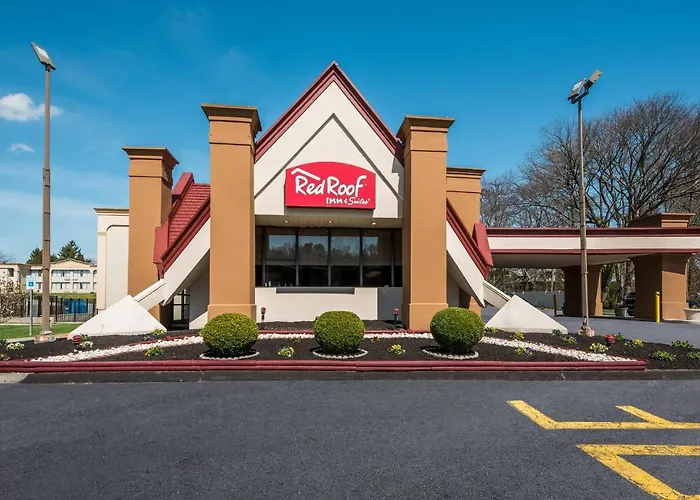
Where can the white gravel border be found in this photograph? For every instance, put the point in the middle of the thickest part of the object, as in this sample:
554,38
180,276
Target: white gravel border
235,358
197,339
431,351
338,356
571,353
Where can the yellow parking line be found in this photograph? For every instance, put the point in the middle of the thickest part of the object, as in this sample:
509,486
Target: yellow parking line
650,421
609,455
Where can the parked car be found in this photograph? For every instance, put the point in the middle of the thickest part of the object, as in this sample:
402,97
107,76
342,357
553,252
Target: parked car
629,303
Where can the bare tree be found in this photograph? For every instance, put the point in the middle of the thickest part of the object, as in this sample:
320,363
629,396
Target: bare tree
5,257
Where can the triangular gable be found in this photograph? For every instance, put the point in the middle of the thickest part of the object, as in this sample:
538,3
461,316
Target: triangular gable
331,122
331,75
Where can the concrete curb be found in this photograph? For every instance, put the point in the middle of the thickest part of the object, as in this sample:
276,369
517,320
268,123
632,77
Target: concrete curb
18,366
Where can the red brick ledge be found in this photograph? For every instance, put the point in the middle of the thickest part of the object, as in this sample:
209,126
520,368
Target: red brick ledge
312,365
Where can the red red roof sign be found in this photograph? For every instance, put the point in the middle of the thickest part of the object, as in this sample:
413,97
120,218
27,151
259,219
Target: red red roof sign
328,184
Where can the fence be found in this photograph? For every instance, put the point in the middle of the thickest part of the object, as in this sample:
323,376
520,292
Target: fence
61,309
542,299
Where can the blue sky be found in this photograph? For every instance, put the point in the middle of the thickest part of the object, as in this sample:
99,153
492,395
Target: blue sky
135,73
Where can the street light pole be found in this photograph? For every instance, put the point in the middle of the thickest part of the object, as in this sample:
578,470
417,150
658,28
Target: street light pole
576,96
45,60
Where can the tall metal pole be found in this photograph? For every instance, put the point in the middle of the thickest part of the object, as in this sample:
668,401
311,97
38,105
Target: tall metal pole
46,223
585,328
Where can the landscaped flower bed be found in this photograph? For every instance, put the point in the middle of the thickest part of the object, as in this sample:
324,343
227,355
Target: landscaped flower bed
681,355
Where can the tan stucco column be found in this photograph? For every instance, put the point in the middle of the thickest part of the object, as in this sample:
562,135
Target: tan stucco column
667,274
572,291
464,192
232,131
150,201
424,231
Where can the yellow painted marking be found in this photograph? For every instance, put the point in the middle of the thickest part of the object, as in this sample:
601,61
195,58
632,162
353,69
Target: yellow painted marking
650,421
609,455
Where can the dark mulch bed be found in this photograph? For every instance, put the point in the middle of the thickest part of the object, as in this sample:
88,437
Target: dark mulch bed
309,325
682,362
376,351
66,346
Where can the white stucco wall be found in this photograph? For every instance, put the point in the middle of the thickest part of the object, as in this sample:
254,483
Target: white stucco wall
367,303
199,299
452,292
189,264
331,129
112,256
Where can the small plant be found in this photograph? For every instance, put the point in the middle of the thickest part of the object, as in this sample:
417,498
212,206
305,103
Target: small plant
374,339
522,351
159,333
635,343
286,352
296,340
517,336
2,357
489,330
599,348
15,346
3,342
694,355
683,344
397,350
663,356
568,339
230,334
619,337
557,333
154,351
85,345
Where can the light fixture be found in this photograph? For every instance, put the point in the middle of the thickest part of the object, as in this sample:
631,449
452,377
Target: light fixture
43,57
286,221
330,222
582,87
374,223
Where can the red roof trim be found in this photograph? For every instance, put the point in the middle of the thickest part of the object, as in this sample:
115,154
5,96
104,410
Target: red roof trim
183,184
332,74
185,237
483,263
612,232
482,242
596,251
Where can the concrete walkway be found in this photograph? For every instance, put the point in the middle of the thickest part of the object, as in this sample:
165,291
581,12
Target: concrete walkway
648,331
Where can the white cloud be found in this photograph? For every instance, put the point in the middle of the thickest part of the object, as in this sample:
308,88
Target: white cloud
18,146
21,108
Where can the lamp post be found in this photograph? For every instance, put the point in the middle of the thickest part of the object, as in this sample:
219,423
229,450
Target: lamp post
580,90
45,60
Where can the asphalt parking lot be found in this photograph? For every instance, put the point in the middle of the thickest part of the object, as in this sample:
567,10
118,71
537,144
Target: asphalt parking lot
422,439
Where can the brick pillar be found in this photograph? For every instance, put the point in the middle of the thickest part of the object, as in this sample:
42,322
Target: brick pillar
667,274
232,131
150,201
424,224
664,273
464,192
572,291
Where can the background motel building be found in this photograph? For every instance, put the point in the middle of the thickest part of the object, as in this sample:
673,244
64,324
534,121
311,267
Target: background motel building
328,209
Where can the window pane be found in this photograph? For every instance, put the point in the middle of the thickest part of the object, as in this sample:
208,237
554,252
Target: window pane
259,233
313,275
376,276
377,247
313,247
345,257
281,274
281,245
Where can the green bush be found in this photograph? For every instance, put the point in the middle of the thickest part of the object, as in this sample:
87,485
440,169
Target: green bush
230,334
339,332
457,330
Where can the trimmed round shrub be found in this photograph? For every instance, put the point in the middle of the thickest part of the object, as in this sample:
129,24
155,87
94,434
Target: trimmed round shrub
457,330
230,334
339,332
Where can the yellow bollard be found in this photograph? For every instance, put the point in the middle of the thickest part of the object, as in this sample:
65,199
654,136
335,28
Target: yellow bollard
657,314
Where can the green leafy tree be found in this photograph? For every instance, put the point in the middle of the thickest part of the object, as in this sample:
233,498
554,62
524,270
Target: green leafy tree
71,250
35,257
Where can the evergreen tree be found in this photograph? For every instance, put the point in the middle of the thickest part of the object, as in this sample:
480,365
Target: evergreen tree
35,257
71,250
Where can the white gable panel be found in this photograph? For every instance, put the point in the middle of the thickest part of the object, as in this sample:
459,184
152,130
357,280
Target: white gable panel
331,129
331,142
